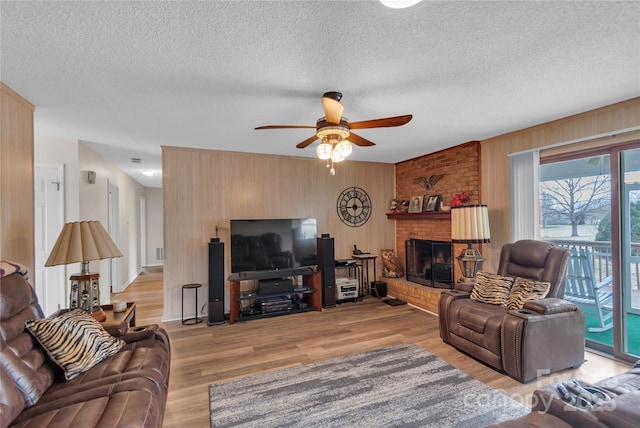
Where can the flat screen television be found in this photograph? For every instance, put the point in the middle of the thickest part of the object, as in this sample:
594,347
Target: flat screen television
273,244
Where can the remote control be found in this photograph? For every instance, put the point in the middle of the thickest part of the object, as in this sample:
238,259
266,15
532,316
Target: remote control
564,393
574,386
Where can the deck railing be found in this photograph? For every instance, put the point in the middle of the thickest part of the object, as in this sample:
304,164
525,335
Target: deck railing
601,255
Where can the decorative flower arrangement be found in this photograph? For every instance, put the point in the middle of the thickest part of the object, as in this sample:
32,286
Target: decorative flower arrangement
459,199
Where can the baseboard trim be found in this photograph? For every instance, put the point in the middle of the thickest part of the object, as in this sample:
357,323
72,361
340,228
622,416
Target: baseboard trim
414,306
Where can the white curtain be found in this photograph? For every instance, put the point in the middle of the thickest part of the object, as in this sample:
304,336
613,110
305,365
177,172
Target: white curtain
525,196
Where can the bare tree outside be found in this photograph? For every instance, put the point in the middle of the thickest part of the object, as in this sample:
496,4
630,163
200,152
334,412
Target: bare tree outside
575,200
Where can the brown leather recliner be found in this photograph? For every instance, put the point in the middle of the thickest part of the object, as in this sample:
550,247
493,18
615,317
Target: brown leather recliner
545,336
128,389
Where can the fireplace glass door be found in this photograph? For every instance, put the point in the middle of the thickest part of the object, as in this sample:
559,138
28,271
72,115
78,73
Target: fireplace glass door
429,263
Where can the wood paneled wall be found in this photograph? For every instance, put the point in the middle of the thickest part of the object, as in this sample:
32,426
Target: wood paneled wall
205,188
494,168
16,179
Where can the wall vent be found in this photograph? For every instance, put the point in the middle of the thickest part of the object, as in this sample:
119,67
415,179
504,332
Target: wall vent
136,160
160,254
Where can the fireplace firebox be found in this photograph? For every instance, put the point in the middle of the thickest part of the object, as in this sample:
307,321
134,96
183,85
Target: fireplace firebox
430,263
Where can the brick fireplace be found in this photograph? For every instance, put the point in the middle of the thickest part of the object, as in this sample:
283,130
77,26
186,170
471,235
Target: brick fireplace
460,167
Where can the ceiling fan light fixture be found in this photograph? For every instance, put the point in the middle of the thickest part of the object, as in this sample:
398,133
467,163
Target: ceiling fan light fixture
337,155
399,4
324,150
345,148
341,132
334,130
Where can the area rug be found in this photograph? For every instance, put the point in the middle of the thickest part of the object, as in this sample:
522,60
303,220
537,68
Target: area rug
399,386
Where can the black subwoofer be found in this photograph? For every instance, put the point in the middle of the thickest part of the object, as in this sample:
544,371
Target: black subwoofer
327,265
216,282
379,288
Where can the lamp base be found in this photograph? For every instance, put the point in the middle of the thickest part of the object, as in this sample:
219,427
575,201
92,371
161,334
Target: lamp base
85,291
470,262
99,315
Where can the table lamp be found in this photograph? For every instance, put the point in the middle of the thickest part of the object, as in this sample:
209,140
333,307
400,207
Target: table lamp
470,225
84,241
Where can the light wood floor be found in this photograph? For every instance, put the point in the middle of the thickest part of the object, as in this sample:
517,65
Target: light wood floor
202,355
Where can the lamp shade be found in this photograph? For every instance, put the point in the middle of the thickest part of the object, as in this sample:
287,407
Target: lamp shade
82,241
344,147
470,224
324,151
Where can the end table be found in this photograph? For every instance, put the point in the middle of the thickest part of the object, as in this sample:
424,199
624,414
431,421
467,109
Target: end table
117,323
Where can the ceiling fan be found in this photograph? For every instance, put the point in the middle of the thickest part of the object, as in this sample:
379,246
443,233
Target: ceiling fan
334,131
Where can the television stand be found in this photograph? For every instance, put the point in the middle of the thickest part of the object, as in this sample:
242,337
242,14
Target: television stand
310,294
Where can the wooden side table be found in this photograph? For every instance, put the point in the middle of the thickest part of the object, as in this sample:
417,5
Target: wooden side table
117,323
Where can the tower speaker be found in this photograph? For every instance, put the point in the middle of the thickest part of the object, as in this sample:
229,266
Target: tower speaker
327,265
216,282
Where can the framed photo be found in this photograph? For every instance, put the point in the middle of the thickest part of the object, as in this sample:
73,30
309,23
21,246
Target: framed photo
432,203
415,206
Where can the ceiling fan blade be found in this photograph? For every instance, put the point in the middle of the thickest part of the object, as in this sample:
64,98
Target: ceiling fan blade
286,126
306,142
332,110
359,141
382,123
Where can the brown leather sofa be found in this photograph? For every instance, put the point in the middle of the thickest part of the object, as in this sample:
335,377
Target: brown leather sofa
127,389
622,410
546,335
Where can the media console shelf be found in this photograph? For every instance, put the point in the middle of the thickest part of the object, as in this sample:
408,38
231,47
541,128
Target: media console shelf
311,292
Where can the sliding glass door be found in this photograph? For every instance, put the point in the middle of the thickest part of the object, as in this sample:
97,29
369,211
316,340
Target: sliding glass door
590,203
630,251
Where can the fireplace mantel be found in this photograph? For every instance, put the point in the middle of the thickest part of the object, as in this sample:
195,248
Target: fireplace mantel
438,215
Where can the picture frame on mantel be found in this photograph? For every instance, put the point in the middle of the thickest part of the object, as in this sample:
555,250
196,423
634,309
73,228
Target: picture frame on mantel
432,203
415,206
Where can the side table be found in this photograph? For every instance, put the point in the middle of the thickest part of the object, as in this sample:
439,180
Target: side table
365,284
117,323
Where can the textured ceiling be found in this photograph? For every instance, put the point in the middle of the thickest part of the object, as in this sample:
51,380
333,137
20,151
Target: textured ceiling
128,77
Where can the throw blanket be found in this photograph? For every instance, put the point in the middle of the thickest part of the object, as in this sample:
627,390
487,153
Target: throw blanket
8,267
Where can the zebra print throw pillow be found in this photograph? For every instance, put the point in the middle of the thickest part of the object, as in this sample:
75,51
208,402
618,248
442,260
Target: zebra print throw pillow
74,341
525,289
491,288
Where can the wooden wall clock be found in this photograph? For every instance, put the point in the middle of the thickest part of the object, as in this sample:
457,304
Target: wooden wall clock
354,206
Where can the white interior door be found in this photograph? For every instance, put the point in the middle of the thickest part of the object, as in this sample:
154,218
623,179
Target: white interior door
114,233
49,282
143,231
